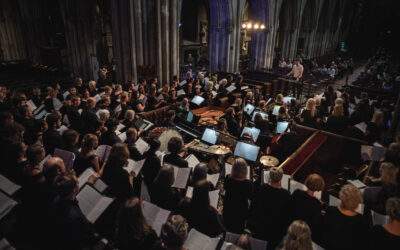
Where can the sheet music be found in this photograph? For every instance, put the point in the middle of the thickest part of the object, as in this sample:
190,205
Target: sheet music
31,105
376,144
44,160
120,127
65,94
66,120
361,126
155,216
225,245
83,178
62,129
284,182
57,104
5,245
373,153
256,244
160,156
6,204
92,203
379,219
244,87
228,170
136,166
199,241
36,111
182,83
136,87
335,202
213,178
118,108
180,92
316,246
356,100
8,186
160,97
66,156
102,151
216,86
294,185
102,93
192,161
122,136
181,177
231,88
141,145
214,93
97,98
357,183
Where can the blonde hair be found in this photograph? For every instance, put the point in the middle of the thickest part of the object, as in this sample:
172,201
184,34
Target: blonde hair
350,197
338,110
388,173
378,117
88,142
310,105
298,236
279,98
314,182
129,114
239,168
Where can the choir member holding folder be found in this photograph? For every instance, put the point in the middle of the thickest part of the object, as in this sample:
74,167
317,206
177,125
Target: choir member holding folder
199,213
86,158
175,147
162,193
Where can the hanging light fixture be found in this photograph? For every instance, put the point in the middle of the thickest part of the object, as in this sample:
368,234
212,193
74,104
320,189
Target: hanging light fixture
251,26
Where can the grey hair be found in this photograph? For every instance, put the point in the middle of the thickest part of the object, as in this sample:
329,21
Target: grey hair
298,236
129,114
393,208
174,232
92,83
275,174
103,114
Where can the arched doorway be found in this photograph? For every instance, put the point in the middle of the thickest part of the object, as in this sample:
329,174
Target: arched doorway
194,35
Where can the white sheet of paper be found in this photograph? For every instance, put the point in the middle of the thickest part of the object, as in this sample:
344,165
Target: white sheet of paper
361,126
97,98
155,216
230,88
213,178
294,185
214,196
180,92
141,145
216,86
8,186
199,241
31,105
228,170
357,183
182,83
244,87
122,136
66,156
62,129
214,93
92,203
316,246
66,120
181,177
120,127
6,204
5,245
118,108
83,178
36,111
192,161
57,104
44,160
160,156
135,166
379,219
65,94
160,97
102,151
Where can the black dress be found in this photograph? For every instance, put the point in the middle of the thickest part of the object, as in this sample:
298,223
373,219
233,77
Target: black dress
344,232
206,220
51,140
337,124
268,214
309,121
374,132
151,167
382,239
165,197
109,138
236,204
82,163
176,160
118,180
304,207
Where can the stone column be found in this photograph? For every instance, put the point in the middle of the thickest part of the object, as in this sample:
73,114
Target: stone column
311,34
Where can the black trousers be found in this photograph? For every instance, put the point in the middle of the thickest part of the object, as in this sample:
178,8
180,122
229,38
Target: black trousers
299,87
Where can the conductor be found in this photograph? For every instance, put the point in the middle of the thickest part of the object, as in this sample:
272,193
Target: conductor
297,72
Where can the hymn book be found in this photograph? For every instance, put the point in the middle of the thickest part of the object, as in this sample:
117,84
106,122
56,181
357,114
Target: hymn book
155,216
214,196
99,185
181,177
8,186
213,178
198,241
92,203
142,146
379,219
192,161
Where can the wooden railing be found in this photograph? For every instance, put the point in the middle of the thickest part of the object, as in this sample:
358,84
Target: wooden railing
157,116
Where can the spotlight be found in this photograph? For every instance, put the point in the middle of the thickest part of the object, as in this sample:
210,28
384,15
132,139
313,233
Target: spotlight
249,26
262,26
244,26
256,26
